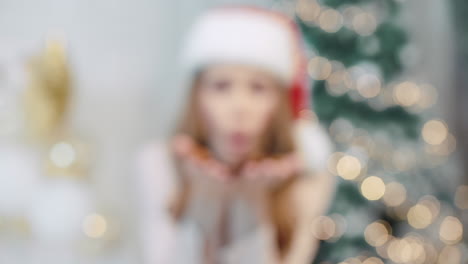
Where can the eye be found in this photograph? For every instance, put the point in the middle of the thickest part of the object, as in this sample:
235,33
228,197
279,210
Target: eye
220,85
258,87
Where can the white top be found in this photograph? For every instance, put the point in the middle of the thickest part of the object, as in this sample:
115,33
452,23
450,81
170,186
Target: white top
164,241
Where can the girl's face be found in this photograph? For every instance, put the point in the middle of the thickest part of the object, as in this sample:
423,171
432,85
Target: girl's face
236,103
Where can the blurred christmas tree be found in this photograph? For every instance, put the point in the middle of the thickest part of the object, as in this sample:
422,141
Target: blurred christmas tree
395,199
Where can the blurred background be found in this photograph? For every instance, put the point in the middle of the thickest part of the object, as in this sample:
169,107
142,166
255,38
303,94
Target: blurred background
84,84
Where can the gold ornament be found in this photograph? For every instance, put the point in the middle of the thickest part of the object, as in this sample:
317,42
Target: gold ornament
47,96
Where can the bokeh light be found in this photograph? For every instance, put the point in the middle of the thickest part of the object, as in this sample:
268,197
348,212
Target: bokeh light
451,230
348,167
434,132
373,188
94,225
319,68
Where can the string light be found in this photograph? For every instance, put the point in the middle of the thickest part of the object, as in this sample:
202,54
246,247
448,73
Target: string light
373,188
451,230
364,23
432,204
319,68
407,94
450,254
419,216
336,83
308,10
360,84
330,20
94,225
348,167
434,132
445,148
377,233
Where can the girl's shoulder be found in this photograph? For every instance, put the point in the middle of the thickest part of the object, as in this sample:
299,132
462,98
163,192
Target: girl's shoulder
155,168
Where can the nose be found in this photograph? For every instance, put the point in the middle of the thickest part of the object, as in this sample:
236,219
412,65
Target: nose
241,101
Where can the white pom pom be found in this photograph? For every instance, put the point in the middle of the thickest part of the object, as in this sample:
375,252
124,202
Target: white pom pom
313,143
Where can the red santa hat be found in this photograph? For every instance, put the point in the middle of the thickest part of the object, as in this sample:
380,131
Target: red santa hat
254,36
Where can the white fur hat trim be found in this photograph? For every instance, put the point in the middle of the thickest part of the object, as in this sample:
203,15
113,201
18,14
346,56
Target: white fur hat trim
238,35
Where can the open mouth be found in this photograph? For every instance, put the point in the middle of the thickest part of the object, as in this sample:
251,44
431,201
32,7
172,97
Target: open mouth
239,139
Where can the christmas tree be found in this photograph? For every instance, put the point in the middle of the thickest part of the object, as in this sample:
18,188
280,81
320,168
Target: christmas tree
395,199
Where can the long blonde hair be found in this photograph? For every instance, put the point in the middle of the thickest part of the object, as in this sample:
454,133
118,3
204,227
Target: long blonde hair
276,141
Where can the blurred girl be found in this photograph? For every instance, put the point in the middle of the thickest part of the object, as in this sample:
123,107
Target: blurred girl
243,175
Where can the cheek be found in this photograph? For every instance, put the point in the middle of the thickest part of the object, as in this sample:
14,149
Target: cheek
213,112
261,114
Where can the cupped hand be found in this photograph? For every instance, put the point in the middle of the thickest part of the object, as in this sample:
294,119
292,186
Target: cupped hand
264,172
197,162
272,171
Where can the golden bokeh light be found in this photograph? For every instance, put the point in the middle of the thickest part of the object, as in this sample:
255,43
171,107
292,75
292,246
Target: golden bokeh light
95,226
308,10
330,20
333,161
395,194
451,230
373,188
419,216
319,68
447,147
398,250
377,233
382,251
407,94
348,167
409,249
434,132
431,203
339,82
364,23
450,255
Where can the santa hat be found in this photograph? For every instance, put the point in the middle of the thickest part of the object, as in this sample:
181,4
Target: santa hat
263,38
254,36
